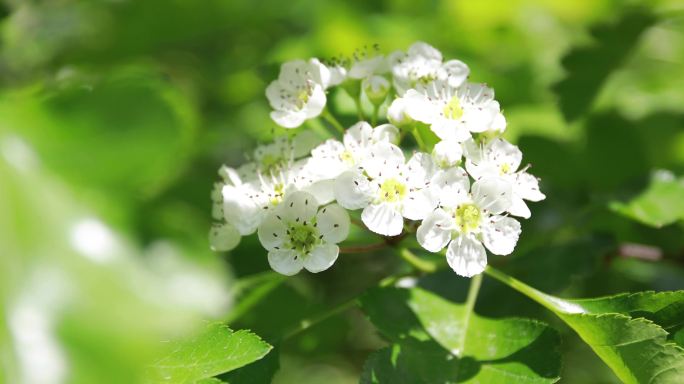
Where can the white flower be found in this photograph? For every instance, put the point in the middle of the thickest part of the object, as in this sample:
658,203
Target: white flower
464,221
297,235
331,158
388,189
502,159
367,67
280,154
447,153
454,112
299,92
422,64
376,88
223,237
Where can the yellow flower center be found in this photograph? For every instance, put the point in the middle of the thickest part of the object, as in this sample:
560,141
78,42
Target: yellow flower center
278,193
303,98
392,190
303,237
505,168
453,109
347,157
467,217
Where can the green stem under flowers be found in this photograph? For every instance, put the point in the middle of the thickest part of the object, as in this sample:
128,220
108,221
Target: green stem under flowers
473,290
310,322
332,120
417,262
374,116
359,108
553,304
419,140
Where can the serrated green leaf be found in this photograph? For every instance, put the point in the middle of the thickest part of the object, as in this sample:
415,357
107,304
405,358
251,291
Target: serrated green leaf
660,204
258,372
625,330
588,67
216,350
438,341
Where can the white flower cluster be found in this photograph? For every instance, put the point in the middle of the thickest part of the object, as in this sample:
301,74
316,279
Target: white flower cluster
459,195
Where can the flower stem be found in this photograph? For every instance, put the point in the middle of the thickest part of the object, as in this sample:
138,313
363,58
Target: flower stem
310,322
374,116
419,140
359,108
473,290
332,120
550,302
417,262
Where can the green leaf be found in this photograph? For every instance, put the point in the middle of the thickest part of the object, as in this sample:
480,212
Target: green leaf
588,67
438,341
258,372
625,331
660,204
216,350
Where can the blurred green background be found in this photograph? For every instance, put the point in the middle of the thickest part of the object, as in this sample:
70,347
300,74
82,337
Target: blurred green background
116,114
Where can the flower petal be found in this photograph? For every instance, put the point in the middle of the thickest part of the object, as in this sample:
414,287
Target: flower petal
353,190
321,258
316,102
447,129
519,208
500,234
298,206
285,261
451,186
288,119
240,209
527,187
385,132
419,170
434,232
493,194
383,160
383,218
272,232
501,152
333,223
223,237
447,153
419,203
358,135
466,256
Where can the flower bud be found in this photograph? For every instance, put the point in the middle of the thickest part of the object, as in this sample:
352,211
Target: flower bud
376,88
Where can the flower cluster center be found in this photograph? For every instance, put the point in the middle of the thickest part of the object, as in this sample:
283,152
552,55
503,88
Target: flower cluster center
452,110
392,191
468,217
303,237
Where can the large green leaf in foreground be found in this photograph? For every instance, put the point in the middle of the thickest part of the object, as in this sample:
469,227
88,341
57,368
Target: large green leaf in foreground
216,350
438,341
627,331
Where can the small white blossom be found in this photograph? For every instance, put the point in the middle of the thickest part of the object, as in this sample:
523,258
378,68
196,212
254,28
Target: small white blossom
465,220
447,153
388,188
453,113
376,88
299,92
500,158
298,235
422,64
331,158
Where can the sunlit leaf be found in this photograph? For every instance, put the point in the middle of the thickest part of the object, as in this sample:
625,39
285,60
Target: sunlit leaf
662,203
438,341
216,350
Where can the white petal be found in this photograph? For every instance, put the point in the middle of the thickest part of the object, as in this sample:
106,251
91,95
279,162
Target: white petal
500,234
434,232
383,160
322,191
316,102
223,237
527,187
493,194
298,206
466,256
319,73
502,152
241,210
396,113
424,50
419,170
385,132
418,107
419,204
273,92
333,223
451,186
353,190
456,71
480,118
358,135
321,258
448,129
519,208
288,119
325,160
285,261
272,232
447,153
383,218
